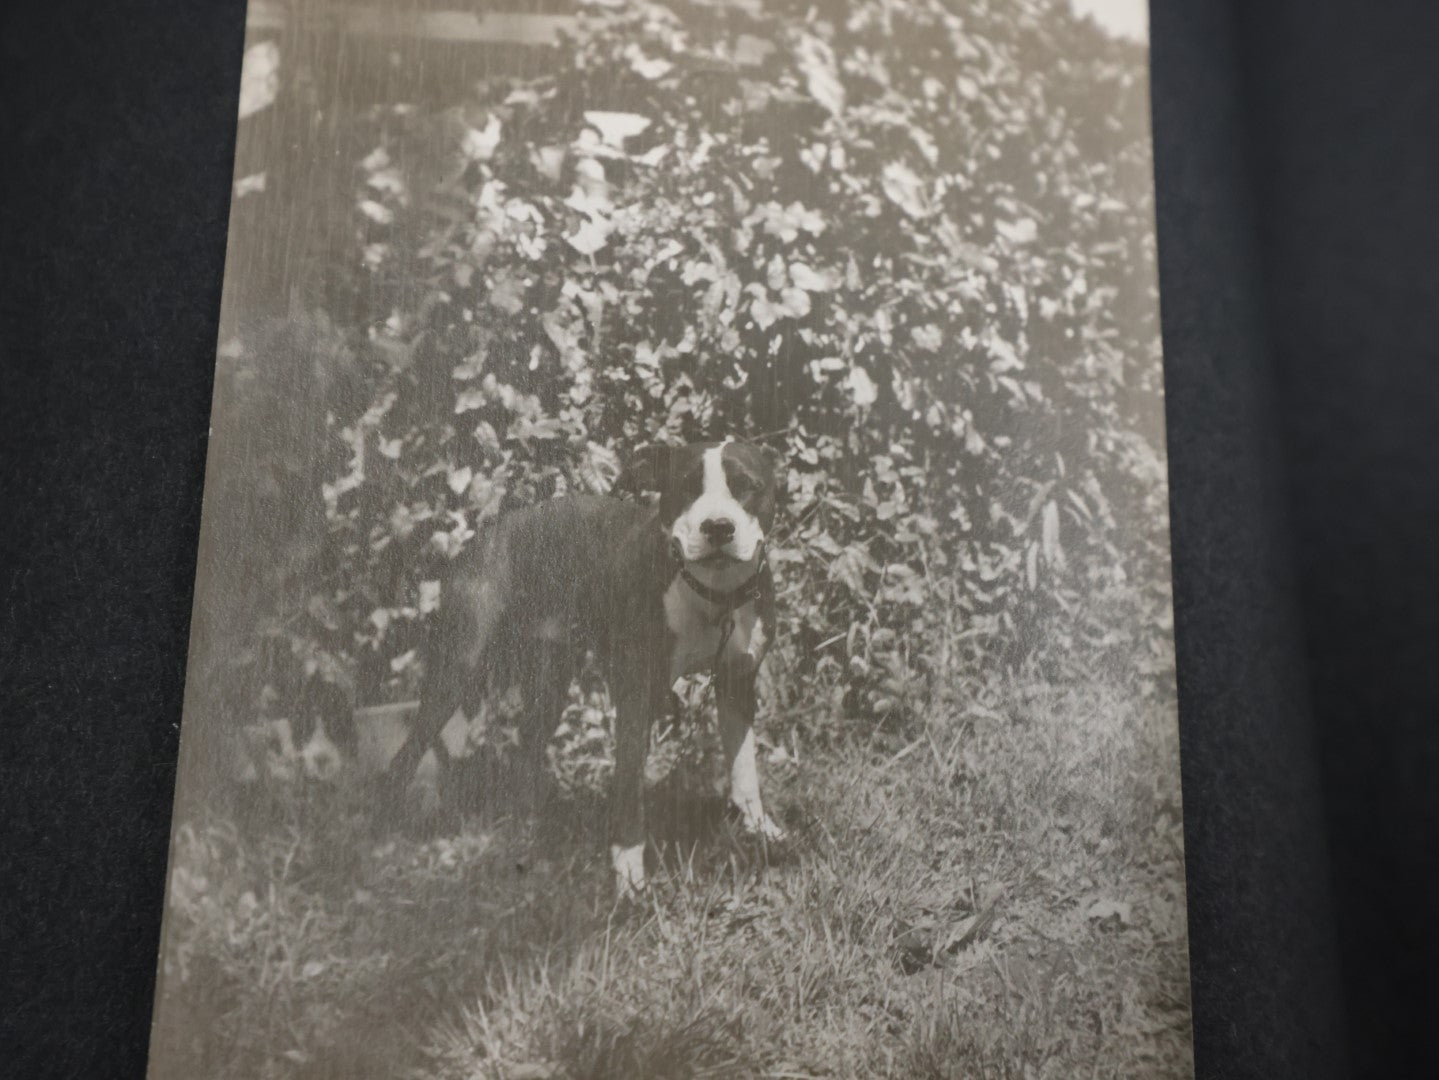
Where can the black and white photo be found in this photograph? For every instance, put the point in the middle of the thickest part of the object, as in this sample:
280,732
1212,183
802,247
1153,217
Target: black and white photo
684,577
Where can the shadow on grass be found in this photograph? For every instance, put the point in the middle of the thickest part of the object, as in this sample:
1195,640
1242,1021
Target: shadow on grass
998,893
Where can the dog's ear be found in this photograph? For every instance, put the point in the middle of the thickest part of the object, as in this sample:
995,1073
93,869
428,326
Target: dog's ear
768,457
647,469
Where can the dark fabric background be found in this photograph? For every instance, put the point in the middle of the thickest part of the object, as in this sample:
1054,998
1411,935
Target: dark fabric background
1297,165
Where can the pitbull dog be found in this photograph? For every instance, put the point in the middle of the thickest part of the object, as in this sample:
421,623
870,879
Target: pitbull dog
657,592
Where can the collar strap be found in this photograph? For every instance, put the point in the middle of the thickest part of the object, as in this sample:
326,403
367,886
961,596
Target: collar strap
727,599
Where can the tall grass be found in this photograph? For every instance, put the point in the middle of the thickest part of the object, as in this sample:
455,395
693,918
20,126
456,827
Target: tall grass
995,892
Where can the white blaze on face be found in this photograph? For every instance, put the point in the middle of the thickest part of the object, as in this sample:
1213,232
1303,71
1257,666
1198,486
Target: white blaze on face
717,502
321,756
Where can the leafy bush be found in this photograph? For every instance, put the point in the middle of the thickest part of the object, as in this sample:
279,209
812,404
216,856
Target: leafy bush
911,247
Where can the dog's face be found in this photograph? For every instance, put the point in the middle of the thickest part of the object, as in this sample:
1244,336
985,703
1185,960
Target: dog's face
717,500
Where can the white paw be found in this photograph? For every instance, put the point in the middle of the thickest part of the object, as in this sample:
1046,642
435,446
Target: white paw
762,825
629,865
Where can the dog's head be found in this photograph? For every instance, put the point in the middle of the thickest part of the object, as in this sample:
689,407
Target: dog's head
717,500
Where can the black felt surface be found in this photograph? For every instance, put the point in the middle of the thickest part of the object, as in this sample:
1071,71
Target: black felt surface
116,124
1266,1000
1343,101
1296,163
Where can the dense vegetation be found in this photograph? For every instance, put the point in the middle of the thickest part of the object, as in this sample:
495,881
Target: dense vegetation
910,247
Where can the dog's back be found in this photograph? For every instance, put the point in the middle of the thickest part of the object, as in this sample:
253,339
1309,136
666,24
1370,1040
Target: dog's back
571,563
516,605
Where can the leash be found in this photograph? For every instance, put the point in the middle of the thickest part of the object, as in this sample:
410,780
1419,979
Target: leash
728,600
726,629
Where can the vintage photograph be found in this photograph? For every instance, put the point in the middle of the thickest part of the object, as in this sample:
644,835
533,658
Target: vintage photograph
683,586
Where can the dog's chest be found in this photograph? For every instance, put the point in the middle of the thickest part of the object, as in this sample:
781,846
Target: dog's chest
698,631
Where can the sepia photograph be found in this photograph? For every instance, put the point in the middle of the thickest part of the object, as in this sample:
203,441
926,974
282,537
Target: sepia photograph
684,579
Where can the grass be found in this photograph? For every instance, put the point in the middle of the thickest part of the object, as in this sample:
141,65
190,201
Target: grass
998,893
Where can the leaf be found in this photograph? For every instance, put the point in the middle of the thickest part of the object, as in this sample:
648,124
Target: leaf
549,161
647,67
547,428
590,236
973,440
508,294
388,181
1049,535
766,310
615,127
849,566
591,194
764,313
649,356
377,212
1023,231
786,222
861,387
905,189
821,73
811,281
599,468
468,400
968,253
259,77
927,337
486,436
698,270
751,51
795,303
1004,356
459,479
775,274
480,145
249,185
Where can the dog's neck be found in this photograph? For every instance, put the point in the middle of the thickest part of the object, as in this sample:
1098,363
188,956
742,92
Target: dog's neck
729,586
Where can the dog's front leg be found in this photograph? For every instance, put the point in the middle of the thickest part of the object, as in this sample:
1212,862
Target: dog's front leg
735,694
638,690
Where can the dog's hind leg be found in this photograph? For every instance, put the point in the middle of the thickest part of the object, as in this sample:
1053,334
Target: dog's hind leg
640,685
455,678
548,673
434,712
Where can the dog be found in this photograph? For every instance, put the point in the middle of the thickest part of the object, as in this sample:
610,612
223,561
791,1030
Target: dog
656,592
315,741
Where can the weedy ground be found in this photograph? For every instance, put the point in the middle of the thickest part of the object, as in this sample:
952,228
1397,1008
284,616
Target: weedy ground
997,892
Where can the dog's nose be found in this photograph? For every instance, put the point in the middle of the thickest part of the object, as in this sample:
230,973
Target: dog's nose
718,530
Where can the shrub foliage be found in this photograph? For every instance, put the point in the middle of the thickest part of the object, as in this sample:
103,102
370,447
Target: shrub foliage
909,245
